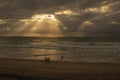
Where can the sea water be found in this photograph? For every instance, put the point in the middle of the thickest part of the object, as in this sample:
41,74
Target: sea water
73,49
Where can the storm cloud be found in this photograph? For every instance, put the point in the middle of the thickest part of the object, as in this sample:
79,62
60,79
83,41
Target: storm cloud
71,17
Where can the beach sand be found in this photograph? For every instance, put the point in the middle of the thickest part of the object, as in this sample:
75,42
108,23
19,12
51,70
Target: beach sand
13,68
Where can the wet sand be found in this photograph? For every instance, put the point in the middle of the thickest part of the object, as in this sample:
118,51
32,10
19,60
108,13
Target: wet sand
58,70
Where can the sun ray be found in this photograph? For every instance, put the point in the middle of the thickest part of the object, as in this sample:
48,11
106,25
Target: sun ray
41,24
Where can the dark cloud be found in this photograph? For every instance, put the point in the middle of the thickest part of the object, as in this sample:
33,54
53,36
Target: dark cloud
104,14
26,8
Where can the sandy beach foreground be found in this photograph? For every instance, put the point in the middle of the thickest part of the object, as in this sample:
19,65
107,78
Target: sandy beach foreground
13,68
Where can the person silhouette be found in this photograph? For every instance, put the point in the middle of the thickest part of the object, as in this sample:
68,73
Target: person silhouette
45,59
62,57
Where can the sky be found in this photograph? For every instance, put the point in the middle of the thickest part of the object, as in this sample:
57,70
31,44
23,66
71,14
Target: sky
55,18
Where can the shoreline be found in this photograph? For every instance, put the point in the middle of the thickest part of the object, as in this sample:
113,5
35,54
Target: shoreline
60,70
59,61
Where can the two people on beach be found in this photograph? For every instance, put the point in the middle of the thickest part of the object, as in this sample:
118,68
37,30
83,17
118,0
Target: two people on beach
47,60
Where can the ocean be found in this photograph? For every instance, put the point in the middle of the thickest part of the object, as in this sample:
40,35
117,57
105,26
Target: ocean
71,49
